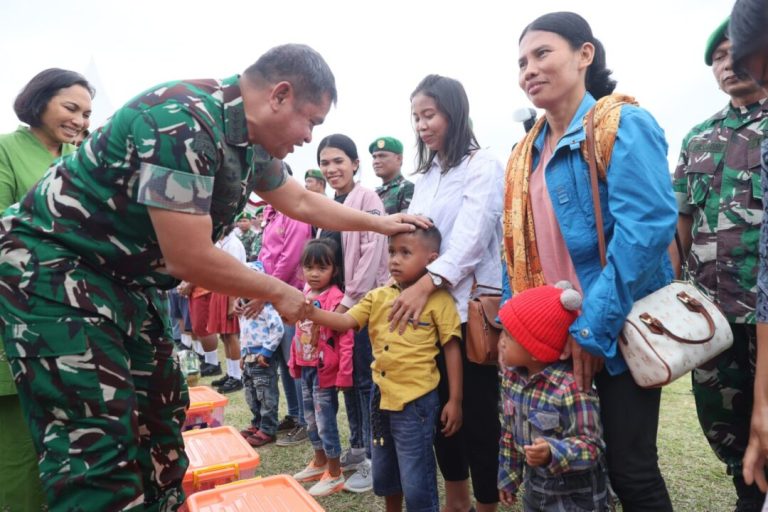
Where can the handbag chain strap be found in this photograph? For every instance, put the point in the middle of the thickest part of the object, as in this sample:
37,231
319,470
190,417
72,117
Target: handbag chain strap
592,162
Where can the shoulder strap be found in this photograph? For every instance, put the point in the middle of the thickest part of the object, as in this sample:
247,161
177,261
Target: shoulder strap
592,161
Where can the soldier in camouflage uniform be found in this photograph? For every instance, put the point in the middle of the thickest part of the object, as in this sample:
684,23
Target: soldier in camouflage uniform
245,233
717,183
83,256
395,192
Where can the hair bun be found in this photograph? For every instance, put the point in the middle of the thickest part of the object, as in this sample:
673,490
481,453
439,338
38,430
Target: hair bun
570,299
564,285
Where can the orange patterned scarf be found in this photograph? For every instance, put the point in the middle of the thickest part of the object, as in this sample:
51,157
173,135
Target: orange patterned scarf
520,250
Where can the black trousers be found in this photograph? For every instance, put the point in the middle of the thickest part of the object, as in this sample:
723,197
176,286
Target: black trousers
630,416
474,449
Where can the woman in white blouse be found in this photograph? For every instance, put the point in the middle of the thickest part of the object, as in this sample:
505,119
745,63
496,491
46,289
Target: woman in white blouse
461,191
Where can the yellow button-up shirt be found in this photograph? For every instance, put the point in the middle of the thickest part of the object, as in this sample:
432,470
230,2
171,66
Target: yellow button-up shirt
404,365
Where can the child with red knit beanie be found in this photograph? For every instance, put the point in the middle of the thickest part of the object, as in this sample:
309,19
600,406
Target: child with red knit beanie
550,427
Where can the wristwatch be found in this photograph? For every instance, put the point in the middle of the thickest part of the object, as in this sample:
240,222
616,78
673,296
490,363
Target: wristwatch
437,280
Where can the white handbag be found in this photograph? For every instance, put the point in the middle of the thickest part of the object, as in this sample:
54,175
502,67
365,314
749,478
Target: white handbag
674,329
670,332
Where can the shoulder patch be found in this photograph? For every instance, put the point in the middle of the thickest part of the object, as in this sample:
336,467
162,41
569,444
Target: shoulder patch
202,143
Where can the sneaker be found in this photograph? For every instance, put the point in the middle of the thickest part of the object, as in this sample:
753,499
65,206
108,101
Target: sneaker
289,423
220,381
296,436
327,485
230,385
361,481
260,439
248,432
311,472
351,458
208,370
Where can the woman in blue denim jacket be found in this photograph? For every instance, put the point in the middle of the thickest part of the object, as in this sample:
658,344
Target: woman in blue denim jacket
550,231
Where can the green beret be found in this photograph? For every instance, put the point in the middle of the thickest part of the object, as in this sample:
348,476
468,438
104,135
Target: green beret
718,36
244,215
258,210
314,173
390,144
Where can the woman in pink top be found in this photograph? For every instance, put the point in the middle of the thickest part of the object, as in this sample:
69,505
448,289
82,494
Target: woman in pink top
363,260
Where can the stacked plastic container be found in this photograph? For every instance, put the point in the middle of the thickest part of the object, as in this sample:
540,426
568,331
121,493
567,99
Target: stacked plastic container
222,465
206,408
279,493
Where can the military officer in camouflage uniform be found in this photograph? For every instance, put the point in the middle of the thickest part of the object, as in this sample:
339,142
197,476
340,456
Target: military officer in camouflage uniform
717,183
395,192
84,255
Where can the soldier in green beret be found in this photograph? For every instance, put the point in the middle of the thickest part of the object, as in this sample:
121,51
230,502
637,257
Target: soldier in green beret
245,233
395,192
314,181
717,185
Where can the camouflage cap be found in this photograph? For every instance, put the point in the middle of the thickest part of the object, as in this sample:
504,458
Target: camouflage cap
718,36
314,173
386,144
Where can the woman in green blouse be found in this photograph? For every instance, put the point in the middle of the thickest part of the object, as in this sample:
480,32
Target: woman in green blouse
56,107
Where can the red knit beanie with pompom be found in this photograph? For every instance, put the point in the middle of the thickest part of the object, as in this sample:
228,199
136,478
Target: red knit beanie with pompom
539,319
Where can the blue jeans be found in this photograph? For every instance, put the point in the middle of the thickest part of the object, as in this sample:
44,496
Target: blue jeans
403,460
291,386
320,408
261,395
580,490
358,399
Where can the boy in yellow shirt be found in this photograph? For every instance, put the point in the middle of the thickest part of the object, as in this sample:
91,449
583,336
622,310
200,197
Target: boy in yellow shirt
404,403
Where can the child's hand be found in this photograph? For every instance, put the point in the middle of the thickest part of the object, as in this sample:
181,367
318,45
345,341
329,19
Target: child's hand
249,309
507,498
451,418
262,361
538,453
242,363
185,288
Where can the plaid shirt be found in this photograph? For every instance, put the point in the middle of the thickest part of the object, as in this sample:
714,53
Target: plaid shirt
548,405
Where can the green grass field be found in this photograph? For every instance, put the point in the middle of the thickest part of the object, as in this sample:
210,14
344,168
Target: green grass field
696,479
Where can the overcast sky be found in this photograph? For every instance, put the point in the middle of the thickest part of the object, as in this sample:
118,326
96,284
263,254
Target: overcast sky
378,51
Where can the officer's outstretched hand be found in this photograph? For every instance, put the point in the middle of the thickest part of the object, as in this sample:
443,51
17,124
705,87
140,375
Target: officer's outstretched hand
292,305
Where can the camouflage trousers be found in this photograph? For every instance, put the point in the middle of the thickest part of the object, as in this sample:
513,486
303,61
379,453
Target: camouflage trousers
723,389
106,423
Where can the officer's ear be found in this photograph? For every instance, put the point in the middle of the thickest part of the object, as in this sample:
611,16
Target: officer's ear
281,94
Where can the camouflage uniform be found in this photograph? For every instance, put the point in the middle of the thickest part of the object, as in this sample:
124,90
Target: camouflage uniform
247,239
396,194
80,271
256,245
717,182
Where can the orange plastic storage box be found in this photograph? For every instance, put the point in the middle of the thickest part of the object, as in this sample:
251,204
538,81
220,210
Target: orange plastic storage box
279,493
217,456
206,408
